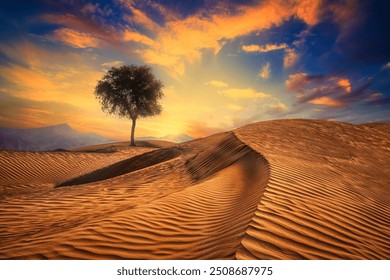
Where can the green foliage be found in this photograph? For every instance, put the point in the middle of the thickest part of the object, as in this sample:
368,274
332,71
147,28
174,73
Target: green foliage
130,91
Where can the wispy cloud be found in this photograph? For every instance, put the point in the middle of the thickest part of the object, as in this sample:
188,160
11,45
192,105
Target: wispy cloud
334,91
114,63
290,58
328,101
86,25
265,71
320,89
130,35
215,83
275,109
181,40
75,38
263,49
243,93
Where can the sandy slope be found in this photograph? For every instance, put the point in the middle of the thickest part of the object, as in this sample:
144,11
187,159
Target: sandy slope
24,172
328,195
286,189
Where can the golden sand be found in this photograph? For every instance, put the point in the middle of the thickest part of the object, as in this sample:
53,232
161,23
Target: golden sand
288,189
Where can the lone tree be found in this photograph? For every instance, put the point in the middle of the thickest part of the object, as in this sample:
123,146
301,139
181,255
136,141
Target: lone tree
130,92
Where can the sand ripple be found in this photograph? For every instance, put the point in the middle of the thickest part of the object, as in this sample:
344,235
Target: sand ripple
193,206
288,189
327,196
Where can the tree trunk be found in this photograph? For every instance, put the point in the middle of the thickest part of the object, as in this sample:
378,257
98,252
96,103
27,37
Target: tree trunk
132,142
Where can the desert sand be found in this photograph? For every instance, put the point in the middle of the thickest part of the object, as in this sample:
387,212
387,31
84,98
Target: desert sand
285,189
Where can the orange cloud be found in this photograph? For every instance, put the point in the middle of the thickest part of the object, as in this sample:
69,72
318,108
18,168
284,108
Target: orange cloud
87,26
69,79
75,38
345,84
130,35
33,79
182,40
327,101
297,81
266,48
308,10
330,91
142,19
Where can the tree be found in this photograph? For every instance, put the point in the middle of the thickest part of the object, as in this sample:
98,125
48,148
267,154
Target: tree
130,91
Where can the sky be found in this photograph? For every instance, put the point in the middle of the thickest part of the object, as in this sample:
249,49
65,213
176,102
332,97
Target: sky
224,63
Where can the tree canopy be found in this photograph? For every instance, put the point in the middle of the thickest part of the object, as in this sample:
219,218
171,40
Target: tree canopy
130,91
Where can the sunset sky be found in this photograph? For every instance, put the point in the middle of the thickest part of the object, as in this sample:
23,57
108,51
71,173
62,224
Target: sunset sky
224,64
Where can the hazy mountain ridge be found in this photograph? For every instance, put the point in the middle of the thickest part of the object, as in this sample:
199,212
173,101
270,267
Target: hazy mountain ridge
60,136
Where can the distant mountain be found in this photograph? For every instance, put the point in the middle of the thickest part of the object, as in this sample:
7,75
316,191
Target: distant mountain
60,136
177,138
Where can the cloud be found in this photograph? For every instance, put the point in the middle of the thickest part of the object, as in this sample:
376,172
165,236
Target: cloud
181,41
290,58
308,10
86,25
275,109
175,65
75,38
345,84
337,92
90,8
320,89
114,63
22,112
346,14
243,93
386,66
35,56
217,84
265,72
327,101
174,41
33,75
290,55
263,49
140,18
130,35
32,79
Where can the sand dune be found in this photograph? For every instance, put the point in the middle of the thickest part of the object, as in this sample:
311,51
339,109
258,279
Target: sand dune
23,172
328,195
290,189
